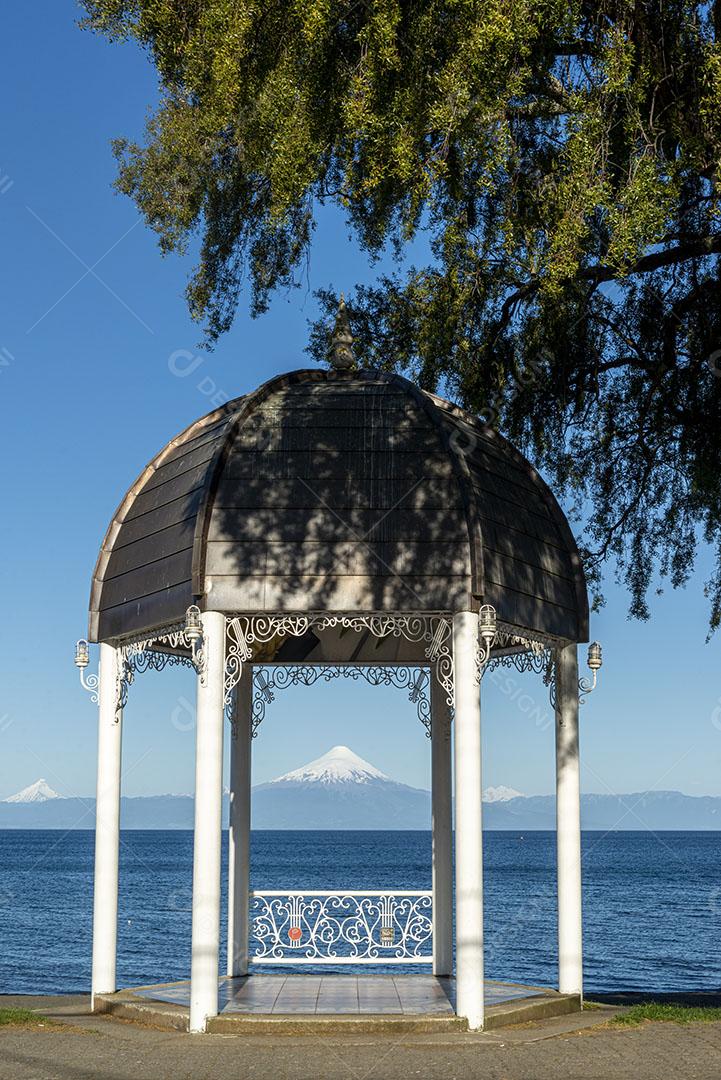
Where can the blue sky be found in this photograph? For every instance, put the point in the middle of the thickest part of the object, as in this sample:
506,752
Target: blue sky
91,317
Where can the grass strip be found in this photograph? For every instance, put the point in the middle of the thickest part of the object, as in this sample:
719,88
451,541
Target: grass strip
24,1018
664,1013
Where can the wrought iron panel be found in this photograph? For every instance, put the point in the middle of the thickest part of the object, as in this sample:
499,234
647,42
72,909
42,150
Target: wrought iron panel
336,927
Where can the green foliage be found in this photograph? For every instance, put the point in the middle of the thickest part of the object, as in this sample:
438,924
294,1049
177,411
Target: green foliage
563,159
676,1014
23,1018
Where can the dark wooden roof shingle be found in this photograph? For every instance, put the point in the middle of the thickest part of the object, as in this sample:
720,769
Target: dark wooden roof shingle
339,491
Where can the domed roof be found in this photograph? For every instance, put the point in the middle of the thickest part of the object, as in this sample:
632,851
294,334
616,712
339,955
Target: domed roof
339,491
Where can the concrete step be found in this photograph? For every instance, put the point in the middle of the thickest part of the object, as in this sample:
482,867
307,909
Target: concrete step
152,1013
333,1024
522,1010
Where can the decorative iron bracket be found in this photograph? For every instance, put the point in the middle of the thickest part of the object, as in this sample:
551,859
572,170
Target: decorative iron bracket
505,646
433,632
525,655
142,654
266,679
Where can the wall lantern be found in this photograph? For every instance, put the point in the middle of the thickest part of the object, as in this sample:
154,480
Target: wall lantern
82,659
194,631
595,663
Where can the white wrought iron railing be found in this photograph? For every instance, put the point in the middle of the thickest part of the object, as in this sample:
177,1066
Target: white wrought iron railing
332,927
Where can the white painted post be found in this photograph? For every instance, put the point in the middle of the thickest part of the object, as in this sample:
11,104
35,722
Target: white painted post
239,824
107,827
208,823
442,818
568,824
469,835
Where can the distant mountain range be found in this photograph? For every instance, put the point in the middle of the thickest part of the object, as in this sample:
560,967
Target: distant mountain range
342,791
339,791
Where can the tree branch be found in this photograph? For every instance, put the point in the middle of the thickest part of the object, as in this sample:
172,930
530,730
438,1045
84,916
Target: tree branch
575,48
697,248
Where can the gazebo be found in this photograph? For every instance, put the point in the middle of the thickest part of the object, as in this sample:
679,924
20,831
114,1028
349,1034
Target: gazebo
338,517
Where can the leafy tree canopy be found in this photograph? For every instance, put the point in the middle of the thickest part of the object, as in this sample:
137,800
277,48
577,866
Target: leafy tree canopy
563,160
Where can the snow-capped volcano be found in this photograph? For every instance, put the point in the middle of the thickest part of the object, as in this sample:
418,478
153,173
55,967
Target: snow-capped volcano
338,766
339,790
501,794
40,791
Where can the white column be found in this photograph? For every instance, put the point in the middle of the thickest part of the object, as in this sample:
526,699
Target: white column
239,824
107,827
568,823
207,841
441,810
469,837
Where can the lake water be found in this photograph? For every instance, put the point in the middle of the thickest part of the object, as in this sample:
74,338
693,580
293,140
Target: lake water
652,902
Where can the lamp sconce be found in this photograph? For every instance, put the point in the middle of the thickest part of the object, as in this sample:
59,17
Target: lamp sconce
595,663
487,634
82,659
194,637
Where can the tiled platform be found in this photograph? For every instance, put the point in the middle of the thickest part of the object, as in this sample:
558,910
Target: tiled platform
278,1002
316,995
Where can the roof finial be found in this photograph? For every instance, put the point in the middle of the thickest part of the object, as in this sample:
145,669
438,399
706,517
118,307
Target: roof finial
342,357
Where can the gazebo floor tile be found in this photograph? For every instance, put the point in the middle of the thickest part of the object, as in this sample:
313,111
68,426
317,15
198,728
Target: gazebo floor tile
281,994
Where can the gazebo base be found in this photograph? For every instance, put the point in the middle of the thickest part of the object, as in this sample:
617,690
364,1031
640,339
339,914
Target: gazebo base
336,1002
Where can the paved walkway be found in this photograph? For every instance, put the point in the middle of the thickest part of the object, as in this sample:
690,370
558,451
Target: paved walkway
98,1048
316,995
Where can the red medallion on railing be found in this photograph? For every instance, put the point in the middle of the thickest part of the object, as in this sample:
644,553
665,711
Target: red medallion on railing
295,933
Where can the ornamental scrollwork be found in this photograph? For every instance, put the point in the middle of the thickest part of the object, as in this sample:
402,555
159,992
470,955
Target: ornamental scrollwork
91,683
144,654
525,655
246,632
322,927
266,679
